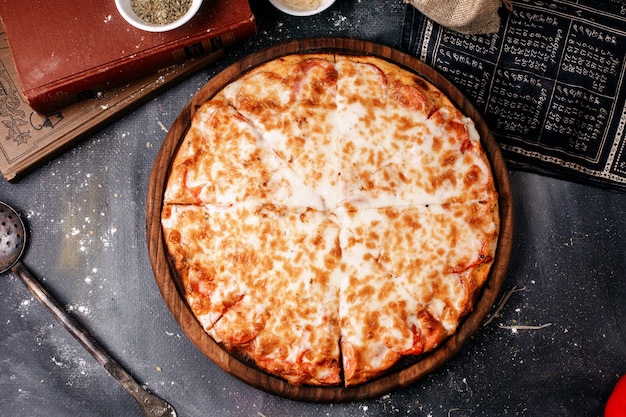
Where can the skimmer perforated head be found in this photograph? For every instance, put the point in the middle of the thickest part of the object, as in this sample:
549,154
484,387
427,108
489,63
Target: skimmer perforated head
12,237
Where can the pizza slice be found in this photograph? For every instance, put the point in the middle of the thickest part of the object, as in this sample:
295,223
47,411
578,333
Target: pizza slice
364,114
223,161
292,105
381,322
440,254
380,116
195,236
447,165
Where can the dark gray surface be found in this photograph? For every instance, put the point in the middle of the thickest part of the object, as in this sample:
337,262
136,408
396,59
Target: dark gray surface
85,213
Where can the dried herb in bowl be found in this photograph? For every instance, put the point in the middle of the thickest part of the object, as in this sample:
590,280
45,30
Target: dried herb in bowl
160,12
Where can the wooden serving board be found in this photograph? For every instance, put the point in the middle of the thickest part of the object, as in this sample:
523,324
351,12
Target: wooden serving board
167,281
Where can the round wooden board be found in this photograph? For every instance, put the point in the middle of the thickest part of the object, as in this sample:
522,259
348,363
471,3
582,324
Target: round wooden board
168,281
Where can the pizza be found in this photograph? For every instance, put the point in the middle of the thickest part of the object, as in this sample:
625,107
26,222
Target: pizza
329,216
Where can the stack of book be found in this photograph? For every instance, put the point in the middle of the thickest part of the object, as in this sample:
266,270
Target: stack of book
67,71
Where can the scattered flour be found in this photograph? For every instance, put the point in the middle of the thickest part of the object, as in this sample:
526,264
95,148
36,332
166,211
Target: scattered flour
72,360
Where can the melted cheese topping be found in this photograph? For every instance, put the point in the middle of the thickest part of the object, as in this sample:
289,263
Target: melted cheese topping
329,215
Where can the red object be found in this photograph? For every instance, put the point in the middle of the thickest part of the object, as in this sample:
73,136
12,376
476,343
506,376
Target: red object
616,405
65,51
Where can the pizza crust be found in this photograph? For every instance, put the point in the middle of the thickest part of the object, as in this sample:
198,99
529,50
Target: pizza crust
329,215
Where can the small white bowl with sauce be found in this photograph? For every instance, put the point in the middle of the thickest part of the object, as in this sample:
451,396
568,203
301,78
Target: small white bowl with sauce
302,7
125,8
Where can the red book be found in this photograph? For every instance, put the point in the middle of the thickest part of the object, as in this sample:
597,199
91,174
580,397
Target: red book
64,52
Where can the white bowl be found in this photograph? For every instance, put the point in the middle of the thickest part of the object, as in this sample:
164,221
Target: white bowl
127,12
285,7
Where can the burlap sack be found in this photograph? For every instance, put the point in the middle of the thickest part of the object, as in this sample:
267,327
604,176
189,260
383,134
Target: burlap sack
465,16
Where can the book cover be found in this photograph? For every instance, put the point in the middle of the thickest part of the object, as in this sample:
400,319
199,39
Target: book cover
71,51
29,139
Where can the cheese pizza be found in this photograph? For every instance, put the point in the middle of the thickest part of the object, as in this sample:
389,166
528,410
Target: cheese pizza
330,215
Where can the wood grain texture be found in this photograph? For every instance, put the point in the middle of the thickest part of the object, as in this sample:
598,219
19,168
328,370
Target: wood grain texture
397,377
